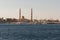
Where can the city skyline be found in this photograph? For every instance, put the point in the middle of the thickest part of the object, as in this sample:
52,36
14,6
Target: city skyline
42,9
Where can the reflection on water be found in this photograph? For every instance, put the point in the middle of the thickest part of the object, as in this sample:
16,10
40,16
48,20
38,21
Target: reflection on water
30,32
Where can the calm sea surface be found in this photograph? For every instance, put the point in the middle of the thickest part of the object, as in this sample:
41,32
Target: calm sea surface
30,32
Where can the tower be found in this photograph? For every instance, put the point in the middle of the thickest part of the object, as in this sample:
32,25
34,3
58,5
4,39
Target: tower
20,15
31,15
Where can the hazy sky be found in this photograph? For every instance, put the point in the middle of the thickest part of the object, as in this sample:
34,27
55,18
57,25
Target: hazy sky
41,8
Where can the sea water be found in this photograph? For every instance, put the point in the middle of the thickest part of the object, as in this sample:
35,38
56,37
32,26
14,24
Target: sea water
30,32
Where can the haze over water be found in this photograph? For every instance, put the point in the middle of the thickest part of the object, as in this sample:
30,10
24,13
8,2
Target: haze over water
41,8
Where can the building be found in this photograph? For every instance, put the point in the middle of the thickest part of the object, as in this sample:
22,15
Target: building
20,15
31,15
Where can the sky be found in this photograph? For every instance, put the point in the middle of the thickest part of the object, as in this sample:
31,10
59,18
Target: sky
42,9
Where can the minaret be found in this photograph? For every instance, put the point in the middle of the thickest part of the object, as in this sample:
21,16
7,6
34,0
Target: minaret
31,15
20,15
